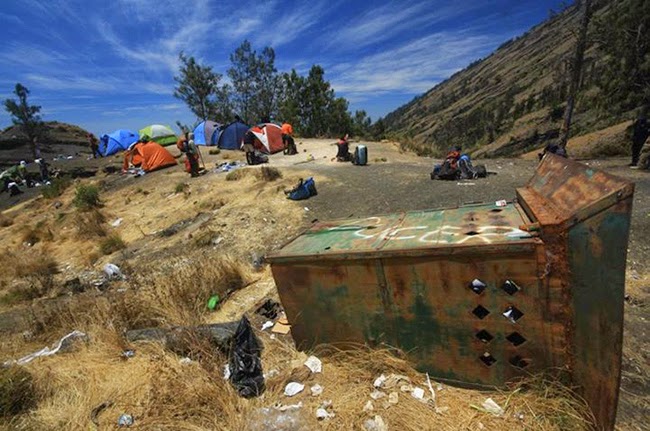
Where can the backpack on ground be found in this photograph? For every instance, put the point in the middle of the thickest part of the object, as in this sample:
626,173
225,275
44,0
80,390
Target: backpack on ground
360,155
304,190
480,171
447,171
466,171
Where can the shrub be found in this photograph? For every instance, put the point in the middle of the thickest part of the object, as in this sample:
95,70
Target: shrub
111,244
17,394
39,270
5,221
86,197
56,188
214,151
180,188
238,174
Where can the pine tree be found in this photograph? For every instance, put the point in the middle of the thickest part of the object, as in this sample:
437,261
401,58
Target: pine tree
25,116
198,86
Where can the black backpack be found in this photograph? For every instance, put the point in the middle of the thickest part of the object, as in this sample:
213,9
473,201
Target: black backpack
448,172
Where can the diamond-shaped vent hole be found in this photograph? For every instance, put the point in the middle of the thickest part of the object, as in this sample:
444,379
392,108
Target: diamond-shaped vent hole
487,359
477,286
516,339
519,362
510,287
480,312
484,336
513,314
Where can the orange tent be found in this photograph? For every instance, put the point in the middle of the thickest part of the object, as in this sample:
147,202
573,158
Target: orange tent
149,156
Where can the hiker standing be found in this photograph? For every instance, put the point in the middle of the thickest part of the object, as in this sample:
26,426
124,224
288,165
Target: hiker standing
287,139
42,165
192,155
640,134
93,143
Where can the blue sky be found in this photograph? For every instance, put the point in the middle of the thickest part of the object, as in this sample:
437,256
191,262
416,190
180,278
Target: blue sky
109,64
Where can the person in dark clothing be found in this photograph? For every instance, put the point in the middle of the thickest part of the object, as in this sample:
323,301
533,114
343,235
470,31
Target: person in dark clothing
640,132
93,144
555,149
45,174
343,152
249,147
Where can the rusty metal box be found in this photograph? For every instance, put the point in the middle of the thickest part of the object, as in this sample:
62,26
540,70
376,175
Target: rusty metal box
477,295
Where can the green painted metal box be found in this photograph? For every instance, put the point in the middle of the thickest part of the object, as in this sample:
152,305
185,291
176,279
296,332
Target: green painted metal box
477,295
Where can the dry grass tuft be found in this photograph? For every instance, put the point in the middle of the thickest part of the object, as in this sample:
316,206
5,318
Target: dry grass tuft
268,173
5,221
17,393
37,268
239,174
111,244
90,224
40,232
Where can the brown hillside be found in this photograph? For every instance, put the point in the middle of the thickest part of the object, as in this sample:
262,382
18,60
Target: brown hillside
55,134
508,103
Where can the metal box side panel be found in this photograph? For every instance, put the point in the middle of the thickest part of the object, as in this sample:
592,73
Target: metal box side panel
597,258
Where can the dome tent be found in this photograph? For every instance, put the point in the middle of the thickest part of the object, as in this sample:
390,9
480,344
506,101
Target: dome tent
231,136
160,134
207,133
119,140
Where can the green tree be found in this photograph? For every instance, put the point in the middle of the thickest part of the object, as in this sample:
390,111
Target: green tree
290,104
317,95
255,81
25,116
339,121
198,86
361,124
623,39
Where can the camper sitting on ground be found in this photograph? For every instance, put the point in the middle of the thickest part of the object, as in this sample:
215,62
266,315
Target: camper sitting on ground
287,140
343,153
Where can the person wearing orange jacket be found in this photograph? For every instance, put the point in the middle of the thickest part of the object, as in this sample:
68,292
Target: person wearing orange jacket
287,140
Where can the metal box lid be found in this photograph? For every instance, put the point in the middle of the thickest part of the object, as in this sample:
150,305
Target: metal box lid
417,231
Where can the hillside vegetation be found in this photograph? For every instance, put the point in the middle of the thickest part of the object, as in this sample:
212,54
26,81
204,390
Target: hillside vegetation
54,133
513,101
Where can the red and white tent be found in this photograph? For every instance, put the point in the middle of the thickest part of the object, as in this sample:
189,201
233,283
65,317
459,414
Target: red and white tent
269,138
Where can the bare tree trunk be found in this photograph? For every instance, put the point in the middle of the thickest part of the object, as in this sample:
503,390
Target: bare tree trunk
576,72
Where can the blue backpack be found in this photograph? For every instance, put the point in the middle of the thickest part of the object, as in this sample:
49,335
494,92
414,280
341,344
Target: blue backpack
304,190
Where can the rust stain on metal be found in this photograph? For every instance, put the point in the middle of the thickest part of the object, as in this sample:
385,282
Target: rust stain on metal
478,295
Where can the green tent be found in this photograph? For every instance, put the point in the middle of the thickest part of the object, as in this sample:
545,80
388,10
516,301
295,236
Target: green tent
160,134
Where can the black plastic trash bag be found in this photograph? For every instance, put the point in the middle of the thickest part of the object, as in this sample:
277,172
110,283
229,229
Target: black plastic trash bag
245,362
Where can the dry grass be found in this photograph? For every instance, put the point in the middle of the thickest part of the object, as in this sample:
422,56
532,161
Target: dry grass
163,394
111,244
31,274
40,232
240,173
5,221
90,224
268,173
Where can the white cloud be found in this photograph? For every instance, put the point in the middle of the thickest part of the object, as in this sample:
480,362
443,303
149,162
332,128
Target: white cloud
413,67
385,22
17,53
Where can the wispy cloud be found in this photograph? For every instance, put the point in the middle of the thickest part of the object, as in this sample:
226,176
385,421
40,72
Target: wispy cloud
385,22
11,19
413,67
70,82
21,54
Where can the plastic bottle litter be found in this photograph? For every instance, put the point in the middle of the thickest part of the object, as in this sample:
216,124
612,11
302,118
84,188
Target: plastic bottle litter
266,325
492,407
314,364
379,381
316,390
116,222
185,361
393,398
269,418
375,395
125,421
368,407
418,393
213,302
293,388
322,414
128,354
375,424
112,271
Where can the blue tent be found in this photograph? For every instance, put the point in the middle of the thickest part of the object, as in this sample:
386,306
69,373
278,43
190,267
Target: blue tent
206,133
119,140
232,135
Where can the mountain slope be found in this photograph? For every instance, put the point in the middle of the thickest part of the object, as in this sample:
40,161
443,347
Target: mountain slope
510,102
